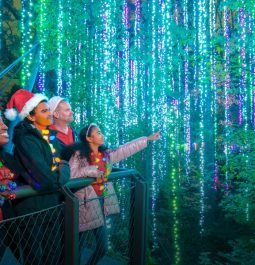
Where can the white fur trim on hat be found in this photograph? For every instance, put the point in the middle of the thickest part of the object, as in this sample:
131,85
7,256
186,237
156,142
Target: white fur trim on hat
31,104
11,114
54,101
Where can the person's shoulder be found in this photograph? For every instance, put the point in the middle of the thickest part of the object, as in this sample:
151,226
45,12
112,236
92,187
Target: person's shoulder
5,155
52,127
52,131
11,162
23,130
72,129
74,133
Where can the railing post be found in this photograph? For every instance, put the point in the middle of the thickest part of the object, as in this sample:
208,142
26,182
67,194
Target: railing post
138,244
71,240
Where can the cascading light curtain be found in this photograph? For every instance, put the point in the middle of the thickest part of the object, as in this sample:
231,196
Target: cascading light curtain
136,67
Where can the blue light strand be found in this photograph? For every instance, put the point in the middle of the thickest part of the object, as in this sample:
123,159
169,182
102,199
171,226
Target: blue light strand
1,24
187,97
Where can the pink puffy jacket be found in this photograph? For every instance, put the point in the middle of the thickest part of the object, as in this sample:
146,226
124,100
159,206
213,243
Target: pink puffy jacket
90,213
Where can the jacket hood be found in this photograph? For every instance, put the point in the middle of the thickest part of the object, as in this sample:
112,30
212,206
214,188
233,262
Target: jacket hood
22,129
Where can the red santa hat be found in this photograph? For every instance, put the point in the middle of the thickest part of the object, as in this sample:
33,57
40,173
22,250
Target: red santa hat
22,103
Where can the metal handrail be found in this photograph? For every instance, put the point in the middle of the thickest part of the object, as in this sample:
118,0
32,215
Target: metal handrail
138,220
27,191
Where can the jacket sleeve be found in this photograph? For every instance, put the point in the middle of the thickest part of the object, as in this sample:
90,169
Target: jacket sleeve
128,149
80,168
39,174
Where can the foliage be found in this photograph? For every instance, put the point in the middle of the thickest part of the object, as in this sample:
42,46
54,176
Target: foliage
238,201
10,46
242,252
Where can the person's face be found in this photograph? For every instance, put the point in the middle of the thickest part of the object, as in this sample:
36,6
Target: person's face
4,137
42,117
64,112
96,138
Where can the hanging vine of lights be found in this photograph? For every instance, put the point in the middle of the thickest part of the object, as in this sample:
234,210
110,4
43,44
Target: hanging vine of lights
26,25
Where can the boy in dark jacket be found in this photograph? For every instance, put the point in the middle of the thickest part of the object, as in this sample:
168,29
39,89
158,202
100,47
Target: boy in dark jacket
36,149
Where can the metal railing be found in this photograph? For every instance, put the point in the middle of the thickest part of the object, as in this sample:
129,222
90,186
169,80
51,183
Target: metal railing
57,228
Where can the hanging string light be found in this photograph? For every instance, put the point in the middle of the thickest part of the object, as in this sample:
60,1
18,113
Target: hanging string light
226,85
170,110
26,24
60,39
42,37
214,102
251,50
1,25
243,88
67,43
201,13
187,98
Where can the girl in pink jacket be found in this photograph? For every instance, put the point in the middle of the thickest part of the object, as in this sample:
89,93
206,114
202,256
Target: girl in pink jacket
90,158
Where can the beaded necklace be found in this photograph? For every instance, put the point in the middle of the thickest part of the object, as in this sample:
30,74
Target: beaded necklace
102,162
49,138
7,185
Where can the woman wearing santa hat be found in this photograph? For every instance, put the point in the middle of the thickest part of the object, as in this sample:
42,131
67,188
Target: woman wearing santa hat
36,149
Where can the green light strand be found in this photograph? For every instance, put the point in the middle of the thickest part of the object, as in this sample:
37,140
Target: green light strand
203,89
243,92
27,37
42,38
214,103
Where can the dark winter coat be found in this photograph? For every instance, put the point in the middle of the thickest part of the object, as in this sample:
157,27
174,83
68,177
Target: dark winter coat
15,167
11,162
61,145
35,155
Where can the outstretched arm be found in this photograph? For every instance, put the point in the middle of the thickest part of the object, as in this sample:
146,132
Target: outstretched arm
131,148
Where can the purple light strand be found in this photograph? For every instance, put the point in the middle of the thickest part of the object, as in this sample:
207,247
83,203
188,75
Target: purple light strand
242,55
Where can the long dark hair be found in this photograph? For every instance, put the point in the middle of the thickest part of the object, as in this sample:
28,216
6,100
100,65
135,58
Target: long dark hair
82,146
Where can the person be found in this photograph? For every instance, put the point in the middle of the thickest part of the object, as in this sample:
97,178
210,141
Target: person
9,170
62,117
91,158
36,149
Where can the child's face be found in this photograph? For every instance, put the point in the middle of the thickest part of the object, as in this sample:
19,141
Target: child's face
96,137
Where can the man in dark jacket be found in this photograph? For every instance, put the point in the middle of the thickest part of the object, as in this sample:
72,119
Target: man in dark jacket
36,149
